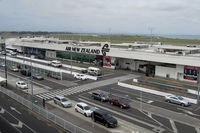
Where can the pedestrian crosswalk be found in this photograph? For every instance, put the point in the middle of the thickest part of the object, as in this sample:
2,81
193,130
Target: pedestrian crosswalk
65,92
82,88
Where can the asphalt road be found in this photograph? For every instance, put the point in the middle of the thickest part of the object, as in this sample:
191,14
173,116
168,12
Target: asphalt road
145,118
22,119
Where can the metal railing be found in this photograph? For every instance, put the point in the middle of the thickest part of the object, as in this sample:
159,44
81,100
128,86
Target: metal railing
45,113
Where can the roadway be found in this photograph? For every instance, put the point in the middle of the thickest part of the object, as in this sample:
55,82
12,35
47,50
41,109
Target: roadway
138,116
22,119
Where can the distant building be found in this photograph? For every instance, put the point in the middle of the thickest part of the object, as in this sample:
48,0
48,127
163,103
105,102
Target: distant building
177,62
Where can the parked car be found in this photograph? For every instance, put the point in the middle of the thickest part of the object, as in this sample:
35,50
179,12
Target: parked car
84,109
55,63
119,102
80,76
2,64
97,95
177,99
62,101
26,72
104,118
22,84
40,56
14,69
84,70
38,77
58,77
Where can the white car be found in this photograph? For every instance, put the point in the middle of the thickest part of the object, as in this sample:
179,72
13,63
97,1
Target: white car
61,100
84,109
22,84
14,69
55,63
177,99
80,76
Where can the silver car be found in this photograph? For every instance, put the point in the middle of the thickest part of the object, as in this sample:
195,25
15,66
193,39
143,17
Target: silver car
177,99
61,100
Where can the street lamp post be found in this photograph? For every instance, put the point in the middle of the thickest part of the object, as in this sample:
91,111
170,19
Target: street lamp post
31,80
5,64
71,59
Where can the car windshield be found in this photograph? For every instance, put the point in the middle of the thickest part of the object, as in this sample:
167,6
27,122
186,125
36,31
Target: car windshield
86,108
107,116
64,100
122,101
22,83
180,98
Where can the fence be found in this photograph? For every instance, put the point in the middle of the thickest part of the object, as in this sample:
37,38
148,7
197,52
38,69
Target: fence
45,113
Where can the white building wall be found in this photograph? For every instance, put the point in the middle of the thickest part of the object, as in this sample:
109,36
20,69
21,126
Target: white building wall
131,64
51,54
164,71
179,72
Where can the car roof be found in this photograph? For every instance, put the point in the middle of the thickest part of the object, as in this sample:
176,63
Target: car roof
100,111
56,61
82,104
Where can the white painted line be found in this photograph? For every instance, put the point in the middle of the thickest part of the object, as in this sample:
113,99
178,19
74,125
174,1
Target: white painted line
19,125
23,123
149,114
151,91
198,129
2,111
14,109
173,126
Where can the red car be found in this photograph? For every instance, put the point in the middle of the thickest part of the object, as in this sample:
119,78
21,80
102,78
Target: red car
119,102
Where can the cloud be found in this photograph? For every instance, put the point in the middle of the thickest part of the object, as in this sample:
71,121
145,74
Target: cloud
127,16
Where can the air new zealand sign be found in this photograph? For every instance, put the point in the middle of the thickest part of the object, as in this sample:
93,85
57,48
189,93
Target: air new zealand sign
103,50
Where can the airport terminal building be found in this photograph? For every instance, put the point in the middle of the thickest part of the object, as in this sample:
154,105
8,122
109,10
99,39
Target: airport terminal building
177,62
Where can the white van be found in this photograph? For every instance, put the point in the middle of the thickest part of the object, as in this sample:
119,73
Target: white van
94,71
55,63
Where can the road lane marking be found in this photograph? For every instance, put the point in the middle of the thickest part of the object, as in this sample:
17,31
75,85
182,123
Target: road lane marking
132,118
173,126
188,112
2,111
23,123
197,129
19,125
14,109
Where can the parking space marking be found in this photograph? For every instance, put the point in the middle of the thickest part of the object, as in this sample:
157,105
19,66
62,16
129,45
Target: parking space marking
173,126
132,118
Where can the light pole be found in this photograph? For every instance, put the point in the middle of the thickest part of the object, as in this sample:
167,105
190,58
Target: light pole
31,80
71,58
5,64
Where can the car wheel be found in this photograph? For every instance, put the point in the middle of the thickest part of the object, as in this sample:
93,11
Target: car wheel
107,125
85,114
121,107
76,110
101,100
55,102
111,103
168,101
182,104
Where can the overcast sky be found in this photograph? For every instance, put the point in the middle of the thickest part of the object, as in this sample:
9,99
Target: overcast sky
102,16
